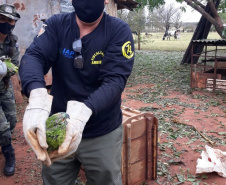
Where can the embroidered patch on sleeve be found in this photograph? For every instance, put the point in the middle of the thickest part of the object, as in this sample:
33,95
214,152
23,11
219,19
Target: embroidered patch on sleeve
127,50
42,30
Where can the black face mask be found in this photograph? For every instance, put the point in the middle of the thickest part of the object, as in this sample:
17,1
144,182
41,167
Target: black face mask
88,11
6,28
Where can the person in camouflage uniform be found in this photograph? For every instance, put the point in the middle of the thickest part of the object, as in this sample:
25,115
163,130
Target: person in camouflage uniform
8,48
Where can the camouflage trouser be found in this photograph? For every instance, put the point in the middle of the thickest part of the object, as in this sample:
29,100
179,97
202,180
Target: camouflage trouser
7,108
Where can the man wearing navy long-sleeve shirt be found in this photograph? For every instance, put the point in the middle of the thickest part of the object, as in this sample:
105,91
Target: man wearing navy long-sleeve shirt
91,55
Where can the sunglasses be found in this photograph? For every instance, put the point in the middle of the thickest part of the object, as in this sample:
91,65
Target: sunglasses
77,47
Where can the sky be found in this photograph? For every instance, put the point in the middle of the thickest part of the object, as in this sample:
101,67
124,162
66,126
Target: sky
190,15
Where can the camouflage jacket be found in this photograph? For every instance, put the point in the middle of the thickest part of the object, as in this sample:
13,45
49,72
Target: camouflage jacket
4,50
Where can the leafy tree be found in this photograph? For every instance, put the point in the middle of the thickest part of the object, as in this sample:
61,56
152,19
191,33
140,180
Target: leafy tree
199,5
223,17
136,20
222,6
123,14
164,16
177,20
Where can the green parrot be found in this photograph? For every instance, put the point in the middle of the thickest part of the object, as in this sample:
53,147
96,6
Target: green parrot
56,130
11,68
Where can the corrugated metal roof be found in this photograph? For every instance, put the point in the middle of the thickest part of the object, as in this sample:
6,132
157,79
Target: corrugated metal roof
126,4
121,4
211,41
66,6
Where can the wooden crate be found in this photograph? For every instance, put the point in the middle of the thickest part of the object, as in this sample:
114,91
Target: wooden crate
199,79
139,151
220,85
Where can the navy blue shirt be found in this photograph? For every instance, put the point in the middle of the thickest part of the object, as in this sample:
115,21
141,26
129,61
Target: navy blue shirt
108,53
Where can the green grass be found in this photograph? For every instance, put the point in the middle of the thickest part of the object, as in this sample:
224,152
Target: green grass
161,68
155,41
158,63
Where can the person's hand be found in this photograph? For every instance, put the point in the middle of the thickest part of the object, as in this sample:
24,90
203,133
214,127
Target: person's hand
3,69
34,122
79,114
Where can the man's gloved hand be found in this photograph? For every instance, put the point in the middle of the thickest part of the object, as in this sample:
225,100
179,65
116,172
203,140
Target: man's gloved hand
79,115
3,69
34,122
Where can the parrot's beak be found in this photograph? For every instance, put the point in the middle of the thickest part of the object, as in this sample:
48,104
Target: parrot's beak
67,116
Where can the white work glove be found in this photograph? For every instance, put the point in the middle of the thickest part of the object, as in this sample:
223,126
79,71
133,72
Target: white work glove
3,69
79,114
34,122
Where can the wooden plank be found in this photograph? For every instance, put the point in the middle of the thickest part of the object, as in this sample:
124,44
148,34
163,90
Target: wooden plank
17,89
139,128
154,120
223,86
217,87
124,162
128,112
149,148
211,89
138,173
221,65
220,84
128,153
126,109
199,79
138,147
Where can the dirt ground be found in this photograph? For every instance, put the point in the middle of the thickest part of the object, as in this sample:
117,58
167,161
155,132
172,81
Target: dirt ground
183,152
212,122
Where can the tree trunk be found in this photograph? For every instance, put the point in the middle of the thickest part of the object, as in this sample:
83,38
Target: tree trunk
217,19
111,8
212,17
138,40
201,32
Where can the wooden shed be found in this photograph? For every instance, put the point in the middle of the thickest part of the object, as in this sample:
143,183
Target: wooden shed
210,70
115,5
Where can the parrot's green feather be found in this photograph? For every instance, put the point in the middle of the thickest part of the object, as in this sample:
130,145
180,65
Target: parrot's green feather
56,130
10,66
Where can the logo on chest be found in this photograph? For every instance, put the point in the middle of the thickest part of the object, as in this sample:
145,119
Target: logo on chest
97,58
67,53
